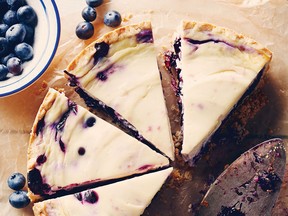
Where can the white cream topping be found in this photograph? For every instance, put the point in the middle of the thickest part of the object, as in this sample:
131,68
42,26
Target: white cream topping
133,88
109,152
215,76
125,198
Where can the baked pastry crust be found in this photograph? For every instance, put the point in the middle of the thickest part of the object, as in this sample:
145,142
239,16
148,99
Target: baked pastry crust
225,34
85,56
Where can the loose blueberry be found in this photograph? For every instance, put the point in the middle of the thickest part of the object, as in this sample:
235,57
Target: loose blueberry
27,15
3,28
4,59
16,181
14,66
94,3
89,14
10,17
112,19
3,73
3,8
15,4
84,30
24,51
16,34
4,46
29,37
19,199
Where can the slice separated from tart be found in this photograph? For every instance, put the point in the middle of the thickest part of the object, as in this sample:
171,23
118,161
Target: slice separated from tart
218,69
70,147
128,197
120,69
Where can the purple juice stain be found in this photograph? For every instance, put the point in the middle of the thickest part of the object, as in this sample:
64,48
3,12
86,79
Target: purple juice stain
269,181
239,47
36,184
104,74
145,36
59,126
90,196
40,126
41,159
145,167
102,50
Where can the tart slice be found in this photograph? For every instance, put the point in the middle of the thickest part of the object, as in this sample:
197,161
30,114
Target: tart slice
218,69
71,147
120,69
129,197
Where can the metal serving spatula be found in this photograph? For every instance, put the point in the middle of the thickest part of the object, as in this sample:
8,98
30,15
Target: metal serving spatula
250,185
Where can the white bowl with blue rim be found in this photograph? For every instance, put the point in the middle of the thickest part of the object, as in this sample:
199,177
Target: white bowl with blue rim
47,34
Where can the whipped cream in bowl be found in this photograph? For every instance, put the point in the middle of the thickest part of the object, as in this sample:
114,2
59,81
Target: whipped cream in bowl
46,39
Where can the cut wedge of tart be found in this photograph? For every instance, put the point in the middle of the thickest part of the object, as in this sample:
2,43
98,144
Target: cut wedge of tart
218,69
70,147
128,197
120,69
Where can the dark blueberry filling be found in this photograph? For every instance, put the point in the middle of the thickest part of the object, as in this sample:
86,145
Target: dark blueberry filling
197,42
145,36
73,80
72,107
269,181
41,159
36,184
78,196
90,122
62,145
177,47
102,50
230,211
81,151
40,126
91,196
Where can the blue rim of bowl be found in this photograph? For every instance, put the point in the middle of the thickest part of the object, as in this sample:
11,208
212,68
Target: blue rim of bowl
51,56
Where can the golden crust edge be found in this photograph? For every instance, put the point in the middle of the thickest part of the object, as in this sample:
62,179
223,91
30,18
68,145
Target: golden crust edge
231,35
40,209
109,38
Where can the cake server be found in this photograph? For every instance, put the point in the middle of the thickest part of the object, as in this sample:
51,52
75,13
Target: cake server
250,185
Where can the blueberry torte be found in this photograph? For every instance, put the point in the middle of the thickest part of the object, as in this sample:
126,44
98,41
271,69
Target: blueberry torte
216,69
120,69
71,147
73,150
129,197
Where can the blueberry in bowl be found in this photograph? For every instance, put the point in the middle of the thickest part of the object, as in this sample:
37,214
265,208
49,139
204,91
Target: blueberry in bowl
29,37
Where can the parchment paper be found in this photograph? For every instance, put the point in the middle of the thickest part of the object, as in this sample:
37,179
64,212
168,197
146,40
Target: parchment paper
264,20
